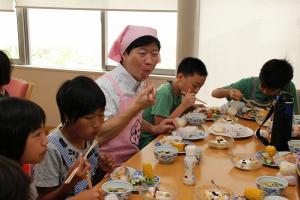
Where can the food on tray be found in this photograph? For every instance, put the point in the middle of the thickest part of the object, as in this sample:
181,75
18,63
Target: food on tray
249,112
187,132
170,139
154,192
119,189
289,157
253,194
271,184
216,195
267,159
270,150
180,122
179,145
120,173
247,164
219,140
210,112
148,170
230,129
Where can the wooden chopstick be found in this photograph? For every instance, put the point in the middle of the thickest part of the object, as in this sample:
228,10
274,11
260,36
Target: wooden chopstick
85,157
201,101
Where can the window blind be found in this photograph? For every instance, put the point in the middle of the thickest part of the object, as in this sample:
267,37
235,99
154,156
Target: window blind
127,5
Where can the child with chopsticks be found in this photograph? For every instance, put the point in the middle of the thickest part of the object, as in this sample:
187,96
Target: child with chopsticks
81,105
175,97
23,140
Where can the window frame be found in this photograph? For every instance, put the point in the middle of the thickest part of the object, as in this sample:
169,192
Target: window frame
24,45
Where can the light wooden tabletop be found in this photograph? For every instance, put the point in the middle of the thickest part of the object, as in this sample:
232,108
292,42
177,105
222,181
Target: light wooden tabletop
215,164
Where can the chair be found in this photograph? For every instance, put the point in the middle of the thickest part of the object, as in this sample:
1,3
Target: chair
19,88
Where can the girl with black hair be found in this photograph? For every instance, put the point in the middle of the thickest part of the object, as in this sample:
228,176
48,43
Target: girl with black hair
23,139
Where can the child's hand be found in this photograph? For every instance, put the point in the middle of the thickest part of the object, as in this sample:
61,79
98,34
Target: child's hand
107,162
96,193
189,99
165,126
83,167
147,96
235,94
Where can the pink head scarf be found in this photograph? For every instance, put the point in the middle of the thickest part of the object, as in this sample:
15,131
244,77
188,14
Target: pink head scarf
127,36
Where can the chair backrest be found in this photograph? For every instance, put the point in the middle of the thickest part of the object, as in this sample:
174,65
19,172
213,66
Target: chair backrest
19,88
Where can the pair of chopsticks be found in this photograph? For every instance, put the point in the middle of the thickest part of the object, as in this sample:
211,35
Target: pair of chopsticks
69,179
201,101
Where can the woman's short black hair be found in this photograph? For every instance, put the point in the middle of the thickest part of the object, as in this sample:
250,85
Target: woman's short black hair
276,73
18,118
190,66
143,41
79,97
14,182
5,69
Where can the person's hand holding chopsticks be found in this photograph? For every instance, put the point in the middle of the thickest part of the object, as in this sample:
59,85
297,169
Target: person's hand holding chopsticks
82,166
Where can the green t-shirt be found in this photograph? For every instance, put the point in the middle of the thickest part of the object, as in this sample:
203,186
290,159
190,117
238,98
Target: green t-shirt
166,103
250,89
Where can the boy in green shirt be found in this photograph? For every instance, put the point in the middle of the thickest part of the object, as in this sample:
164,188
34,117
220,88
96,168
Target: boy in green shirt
191,75
275,76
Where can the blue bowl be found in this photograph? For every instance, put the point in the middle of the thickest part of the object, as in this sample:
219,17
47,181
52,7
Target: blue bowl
165,154
272,185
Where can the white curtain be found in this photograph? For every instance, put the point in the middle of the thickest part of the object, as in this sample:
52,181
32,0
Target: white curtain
141,5
6,5
237,37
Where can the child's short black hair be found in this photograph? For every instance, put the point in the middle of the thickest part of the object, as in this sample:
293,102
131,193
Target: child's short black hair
275,74
142,41
14,182
190,66
18,118
79,97
5,69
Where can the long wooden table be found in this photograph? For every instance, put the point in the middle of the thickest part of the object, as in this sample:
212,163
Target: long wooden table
215,164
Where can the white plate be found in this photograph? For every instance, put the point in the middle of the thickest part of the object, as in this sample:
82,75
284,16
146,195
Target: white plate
122,173
275,198
199,135
280,154
246,132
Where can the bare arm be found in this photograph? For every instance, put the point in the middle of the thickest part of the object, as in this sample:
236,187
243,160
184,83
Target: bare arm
62,191
165,126
112,127
220,93
232,93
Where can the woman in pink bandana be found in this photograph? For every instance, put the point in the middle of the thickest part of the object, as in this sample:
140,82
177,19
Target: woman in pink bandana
128,92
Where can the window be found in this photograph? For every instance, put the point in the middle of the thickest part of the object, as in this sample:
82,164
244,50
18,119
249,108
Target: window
164,22
235,43
9,34
67,38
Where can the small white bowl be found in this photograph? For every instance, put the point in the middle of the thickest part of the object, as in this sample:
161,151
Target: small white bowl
114,187
272,185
